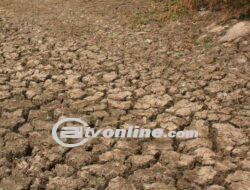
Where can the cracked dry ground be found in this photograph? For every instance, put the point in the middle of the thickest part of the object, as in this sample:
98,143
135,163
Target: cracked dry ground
154,76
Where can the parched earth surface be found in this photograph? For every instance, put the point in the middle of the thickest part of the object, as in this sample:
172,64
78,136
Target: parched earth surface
111,63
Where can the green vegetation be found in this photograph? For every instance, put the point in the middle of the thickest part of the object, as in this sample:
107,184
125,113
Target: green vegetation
175,9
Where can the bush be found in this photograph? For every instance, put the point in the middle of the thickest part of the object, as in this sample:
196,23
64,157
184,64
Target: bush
197,4
233,7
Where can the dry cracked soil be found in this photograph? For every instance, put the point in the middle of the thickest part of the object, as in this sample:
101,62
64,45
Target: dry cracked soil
110,61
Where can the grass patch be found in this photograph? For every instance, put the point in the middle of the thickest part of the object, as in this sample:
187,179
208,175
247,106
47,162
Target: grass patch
162,10
231,7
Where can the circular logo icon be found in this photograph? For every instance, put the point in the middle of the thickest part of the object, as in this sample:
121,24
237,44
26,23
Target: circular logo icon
71,132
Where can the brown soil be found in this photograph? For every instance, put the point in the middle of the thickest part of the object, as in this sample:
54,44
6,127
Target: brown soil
120,62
